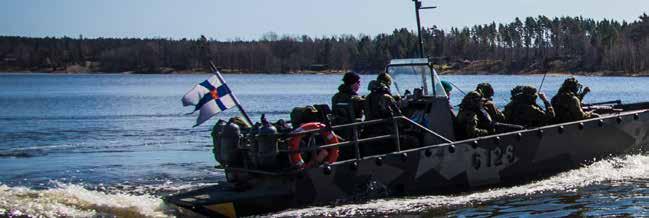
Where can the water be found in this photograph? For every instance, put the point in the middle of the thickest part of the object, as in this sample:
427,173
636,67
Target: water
87,145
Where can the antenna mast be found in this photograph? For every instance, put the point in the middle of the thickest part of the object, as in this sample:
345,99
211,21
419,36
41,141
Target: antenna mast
421,41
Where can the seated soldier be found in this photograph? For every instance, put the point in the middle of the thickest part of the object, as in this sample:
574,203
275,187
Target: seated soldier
346,103
379,104
487,93
524,111
567,102
347,108
470,121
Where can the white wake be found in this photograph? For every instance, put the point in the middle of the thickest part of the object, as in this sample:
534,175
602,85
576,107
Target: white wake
75,201
614,169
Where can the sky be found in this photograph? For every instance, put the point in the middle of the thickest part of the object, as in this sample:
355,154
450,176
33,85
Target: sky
252,19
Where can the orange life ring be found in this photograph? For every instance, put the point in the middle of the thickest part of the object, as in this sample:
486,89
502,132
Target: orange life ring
294,144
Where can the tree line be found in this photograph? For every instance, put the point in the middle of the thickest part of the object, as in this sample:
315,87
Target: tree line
532,44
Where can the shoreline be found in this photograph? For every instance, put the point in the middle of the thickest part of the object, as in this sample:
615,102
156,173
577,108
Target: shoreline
336,72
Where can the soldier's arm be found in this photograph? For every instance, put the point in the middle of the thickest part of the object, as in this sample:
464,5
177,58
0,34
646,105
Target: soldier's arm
583,94
472,129
549,112
383,107
358,103
575,109
498,116
508,113
548,115
391,105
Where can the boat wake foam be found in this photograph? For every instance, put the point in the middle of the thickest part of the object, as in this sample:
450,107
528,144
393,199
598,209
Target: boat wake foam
611,170
68,200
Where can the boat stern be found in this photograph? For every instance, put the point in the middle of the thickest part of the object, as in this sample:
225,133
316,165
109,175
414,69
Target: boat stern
225,201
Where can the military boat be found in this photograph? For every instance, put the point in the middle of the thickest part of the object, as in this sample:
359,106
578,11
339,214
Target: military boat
270,166
264,174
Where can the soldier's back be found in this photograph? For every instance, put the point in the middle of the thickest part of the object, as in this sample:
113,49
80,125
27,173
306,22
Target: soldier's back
468,125
567,108
528,115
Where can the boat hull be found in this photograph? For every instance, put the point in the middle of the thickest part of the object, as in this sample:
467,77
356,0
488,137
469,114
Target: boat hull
451,167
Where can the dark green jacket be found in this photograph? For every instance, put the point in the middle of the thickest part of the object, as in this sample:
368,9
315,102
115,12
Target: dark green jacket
528,115
380,104
568,107
469,125
346,105
493,111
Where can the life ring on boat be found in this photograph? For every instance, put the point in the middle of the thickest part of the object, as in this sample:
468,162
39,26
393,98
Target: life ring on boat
294,145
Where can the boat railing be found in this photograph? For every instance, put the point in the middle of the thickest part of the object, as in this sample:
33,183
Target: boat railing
630,110
356,140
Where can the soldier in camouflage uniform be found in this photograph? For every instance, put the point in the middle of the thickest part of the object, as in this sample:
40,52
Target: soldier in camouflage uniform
487,93
379,104
347,107
347,104
470,121
524,111
568,102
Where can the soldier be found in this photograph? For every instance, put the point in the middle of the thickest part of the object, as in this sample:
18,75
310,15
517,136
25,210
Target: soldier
524,111
487,93
568,102
448,88
470,122
347,107
347,104
379,104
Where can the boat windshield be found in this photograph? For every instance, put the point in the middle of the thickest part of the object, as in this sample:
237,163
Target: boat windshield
409,74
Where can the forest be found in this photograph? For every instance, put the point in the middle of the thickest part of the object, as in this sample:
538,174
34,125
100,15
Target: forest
529,45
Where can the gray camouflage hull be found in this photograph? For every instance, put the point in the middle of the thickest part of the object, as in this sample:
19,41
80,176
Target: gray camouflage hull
458,166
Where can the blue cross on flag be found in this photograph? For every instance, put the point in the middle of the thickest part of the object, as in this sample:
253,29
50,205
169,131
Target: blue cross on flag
209,97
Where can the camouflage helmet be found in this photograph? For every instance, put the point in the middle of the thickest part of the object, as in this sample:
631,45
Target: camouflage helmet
372,85
523,90
516,91
384,78
472,99
571,84
350,78
526,94
485,89
528,90
239,121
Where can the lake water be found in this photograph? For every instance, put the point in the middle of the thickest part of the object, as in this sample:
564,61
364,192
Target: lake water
85,145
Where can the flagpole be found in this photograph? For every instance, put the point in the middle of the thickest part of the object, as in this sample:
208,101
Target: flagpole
234,97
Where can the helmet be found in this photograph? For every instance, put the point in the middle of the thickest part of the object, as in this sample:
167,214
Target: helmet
350,78
516,91
239,121
570,85
384,78
527,94
528,90
373,85
485,89
471,100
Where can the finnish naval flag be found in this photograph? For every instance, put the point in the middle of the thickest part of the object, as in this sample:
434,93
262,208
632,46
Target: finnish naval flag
210,97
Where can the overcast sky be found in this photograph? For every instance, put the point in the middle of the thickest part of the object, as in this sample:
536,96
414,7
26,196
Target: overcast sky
251,19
